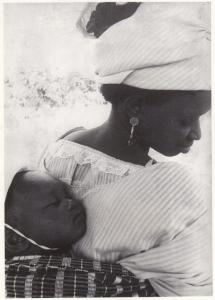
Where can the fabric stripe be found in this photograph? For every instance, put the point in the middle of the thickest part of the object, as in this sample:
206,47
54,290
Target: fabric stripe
59,284
91,285
28,286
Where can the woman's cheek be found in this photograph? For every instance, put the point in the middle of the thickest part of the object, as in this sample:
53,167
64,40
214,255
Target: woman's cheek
184,131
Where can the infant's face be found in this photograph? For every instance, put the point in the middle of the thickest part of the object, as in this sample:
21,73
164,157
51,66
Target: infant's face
49,216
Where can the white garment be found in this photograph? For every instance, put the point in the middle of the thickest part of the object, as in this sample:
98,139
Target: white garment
153,219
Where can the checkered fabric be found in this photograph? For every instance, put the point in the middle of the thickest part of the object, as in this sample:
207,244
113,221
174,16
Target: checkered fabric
56,276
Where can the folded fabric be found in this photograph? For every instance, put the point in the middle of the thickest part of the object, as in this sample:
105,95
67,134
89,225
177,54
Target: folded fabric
162,46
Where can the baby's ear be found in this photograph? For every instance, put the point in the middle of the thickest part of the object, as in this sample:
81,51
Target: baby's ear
15,244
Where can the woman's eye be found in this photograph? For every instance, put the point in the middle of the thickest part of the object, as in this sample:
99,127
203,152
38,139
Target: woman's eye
188,122
185,123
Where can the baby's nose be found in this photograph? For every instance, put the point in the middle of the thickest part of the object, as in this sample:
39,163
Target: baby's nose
71,204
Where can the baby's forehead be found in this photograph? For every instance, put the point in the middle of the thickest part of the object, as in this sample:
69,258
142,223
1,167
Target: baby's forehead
34,184
36,174
36,177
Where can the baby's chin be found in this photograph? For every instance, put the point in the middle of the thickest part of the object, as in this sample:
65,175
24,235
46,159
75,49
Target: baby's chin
71,235
80,232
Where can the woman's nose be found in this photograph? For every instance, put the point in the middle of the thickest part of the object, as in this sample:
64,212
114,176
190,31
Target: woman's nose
195,132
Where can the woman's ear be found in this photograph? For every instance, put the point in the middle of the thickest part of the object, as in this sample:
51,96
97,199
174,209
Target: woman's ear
133,106
15,244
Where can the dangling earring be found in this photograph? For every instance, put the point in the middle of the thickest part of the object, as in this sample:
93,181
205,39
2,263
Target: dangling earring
134,122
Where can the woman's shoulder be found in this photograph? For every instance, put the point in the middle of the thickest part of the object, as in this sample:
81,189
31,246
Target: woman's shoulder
68,135
65,146
81,135
64,149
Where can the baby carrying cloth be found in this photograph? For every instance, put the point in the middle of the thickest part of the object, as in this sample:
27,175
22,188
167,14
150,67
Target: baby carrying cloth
55,276
162,46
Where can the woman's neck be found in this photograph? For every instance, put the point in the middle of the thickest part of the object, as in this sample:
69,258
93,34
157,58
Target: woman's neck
111,138
114,142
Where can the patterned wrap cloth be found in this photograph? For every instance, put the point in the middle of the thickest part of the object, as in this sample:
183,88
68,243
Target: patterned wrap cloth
59,276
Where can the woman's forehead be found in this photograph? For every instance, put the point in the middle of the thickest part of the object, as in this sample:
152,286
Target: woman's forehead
189,103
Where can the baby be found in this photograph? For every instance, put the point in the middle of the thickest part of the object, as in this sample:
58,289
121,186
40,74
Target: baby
40,215
42,222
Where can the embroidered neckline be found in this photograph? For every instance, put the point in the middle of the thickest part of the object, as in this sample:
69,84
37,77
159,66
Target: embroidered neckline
108,157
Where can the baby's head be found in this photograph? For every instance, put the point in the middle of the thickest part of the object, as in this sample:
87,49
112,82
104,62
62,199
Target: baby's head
40,208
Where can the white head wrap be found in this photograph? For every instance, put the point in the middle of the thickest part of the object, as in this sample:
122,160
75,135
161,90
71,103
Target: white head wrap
162,46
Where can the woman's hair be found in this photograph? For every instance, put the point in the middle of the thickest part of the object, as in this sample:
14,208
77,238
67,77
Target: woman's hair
116,93
108,13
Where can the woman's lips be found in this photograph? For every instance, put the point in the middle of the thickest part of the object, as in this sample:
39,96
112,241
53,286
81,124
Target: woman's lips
185,148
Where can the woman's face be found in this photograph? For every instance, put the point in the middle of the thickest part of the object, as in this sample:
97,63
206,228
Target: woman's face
172,127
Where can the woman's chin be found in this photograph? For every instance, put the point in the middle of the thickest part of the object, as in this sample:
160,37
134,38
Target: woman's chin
175,151
168,152
184,149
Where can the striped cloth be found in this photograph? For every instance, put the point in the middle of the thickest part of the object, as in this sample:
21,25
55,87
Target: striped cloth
56,276
153,219
162,46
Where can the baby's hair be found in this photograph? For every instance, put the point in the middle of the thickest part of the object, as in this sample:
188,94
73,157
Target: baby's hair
107,14
11,199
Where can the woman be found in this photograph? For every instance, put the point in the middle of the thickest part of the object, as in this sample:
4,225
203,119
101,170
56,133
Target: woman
154,67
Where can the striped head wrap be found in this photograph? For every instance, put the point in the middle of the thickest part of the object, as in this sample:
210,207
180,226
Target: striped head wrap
162,46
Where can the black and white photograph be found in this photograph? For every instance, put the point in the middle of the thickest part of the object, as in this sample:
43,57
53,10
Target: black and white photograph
107,149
